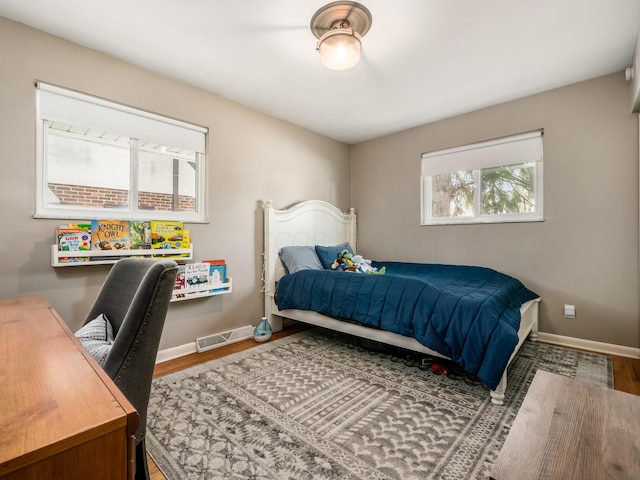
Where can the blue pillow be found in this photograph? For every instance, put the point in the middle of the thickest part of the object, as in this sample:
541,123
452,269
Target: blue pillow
296,258
328,255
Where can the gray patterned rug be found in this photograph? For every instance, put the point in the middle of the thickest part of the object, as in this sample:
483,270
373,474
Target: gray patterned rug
316,405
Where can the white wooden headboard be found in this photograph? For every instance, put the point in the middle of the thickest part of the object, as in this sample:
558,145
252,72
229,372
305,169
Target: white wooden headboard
312,222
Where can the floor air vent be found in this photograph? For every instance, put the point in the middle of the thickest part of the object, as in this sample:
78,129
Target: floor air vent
224,338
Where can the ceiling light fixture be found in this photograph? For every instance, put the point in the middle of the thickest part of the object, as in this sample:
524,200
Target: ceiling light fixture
339,28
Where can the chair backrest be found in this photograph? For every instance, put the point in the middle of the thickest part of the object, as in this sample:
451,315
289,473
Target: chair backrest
135,297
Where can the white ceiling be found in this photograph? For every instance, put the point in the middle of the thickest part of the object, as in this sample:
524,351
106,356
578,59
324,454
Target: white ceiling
423,60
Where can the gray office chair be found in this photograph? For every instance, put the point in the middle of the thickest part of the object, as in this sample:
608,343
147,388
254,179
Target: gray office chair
135,298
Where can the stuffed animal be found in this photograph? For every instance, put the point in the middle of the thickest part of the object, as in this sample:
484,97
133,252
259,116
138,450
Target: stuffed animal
344,262
365,266
348,262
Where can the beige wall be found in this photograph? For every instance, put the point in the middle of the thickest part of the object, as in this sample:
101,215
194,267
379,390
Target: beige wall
585,252
251,157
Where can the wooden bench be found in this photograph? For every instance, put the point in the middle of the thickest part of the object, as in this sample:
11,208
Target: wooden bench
570,429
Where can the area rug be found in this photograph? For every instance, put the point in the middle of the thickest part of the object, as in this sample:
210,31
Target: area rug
321,405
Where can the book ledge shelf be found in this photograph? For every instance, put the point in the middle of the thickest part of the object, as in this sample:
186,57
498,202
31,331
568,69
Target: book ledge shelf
202,291
105,257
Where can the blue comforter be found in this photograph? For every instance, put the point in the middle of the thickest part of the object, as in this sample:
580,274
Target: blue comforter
470,314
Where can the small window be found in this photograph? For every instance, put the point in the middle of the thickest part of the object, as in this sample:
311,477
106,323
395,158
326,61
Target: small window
490,182
98,159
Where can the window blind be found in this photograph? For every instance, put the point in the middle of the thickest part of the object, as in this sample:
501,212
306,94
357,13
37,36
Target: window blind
516,149
74,108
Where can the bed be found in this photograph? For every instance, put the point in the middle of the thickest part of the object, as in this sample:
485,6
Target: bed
315,222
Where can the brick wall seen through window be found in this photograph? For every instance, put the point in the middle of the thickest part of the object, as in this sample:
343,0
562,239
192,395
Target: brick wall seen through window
97,197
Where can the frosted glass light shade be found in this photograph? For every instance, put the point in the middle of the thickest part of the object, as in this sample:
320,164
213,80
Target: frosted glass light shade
339,49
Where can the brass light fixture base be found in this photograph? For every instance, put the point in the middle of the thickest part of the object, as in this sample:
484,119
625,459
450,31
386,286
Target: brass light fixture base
346,15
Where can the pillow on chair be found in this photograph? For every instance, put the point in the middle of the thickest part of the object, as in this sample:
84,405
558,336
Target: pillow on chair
97,337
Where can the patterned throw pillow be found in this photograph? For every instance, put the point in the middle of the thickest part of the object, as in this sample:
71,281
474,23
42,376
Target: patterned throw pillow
97,337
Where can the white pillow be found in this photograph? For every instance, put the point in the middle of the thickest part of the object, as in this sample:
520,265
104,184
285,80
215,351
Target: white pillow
97,337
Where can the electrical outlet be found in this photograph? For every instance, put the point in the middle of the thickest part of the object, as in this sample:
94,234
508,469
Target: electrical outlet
570,311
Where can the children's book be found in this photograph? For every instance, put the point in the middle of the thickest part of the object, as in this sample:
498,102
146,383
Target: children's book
169,235
196,275
72,238
140,234
164,231
180,283
110,235
217,273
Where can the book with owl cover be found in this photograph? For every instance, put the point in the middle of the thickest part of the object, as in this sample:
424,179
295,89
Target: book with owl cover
110,235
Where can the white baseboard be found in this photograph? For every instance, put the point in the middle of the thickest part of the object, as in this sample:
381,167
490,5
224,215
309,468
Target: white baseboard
606,348
175,352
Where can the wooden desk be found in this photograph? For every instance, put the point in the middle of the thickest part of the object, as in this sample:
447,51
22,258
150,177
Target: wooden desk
61,416
569,429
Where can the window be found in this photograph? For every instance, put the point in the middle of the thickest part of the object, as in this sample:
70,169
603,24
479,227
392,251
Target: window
489,182
102,160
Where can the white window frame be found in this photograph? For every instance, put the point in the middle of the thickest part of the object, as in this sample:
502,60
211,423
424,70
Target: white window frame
512,150
58,104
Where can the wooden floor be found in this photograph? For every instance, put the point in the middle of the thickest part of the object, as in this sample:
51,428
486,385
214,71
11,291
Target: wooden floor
626,371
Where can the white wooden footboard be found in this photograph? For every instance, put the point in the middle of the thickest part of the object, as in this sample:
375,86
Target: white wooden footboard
528,328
